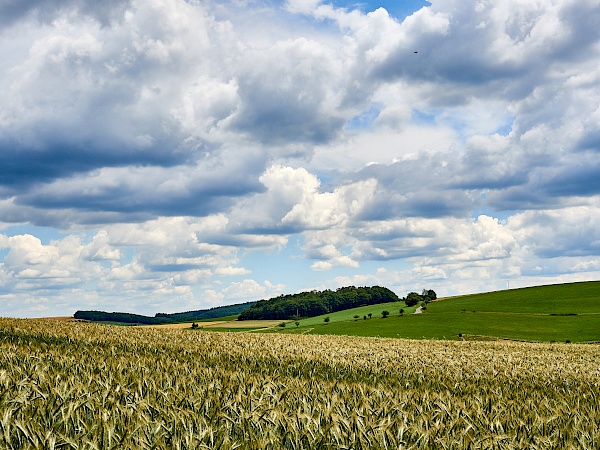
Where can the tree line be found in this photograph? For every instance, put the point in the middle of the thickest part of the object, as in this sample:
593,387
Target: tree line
212,313
284,307
315,303
101,316
162,318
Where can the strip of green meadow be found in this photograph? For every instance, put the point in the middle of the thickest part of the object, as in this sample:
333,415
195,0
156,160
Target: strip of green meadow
454,326
555,313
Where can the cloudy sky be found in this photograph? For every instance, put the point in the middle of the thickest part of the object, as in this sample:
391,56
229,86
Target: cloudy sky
171,155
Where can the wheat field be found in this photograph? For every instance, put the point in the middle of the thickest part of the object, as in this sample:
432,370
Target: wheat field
87,386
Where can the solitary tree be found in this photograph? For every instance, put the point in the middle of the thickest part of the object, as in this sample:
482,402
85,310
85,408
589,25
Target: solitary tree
385,314
326,319
370,314
401,311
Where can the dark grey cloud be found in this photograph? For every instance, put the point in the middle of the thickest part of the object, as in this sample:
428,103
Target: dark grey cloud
480,170
414,188
84,98
424,203
45,11
286,95
578,179
518,198
24,165
495,50
147,192
590,140
277,117
551,185
175,267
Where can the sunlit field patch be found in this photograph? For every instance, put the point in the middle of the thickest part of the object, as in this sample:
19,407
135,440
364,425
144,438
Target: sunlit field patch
78,385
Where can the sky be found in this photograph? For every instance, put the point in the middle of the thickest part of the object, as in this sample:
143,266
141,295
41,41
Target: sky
171,155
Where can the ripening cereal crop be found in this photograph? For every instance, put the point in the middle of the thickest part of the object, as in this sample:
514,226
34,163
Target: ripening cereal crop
77,385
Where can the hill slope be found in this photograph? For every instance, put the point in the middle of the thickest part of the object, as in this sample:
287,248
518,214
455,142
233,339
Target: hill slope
314,303
543,313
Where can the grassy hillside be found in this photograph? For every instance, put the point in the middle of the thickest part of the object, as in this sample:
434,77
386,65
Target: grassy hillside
361,311
544,313
572,298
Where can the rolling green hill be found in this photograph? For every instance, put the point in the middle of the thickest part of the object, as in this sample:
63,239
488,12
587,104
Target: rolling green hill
565,312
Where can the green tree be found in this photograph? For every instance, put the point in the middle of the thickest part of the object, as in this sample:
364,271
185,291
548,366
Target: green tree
326,319
413,299
385,313
428,295
401,311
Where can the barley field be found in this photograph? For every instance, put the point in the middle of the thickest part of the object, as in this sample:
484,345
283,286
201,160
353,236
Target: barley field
86,386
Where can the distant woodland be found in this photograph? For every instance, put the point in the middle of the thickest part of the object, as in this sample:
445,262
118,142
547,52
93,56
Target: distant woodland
162,318
284,307
315,303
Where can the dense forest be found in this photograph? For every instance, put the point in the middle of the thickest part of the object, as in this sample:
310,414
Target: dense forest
304,304
203,314
161,318
314,303
101,316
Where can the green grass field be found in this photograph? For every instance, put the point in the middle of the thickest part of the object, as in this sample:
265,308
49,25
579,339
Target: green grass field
565,312
361,311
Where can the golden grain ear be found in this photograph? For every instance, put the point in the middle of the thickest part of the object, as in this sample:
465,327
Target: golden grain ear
80,385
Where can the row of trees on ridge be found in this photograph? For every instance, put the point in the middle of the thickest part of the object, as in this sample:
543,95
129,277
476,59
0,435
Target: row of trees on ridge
315,303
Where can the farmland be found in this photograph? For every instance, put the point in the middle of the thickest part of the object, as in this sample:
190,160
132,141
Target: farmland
79,385
562,312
